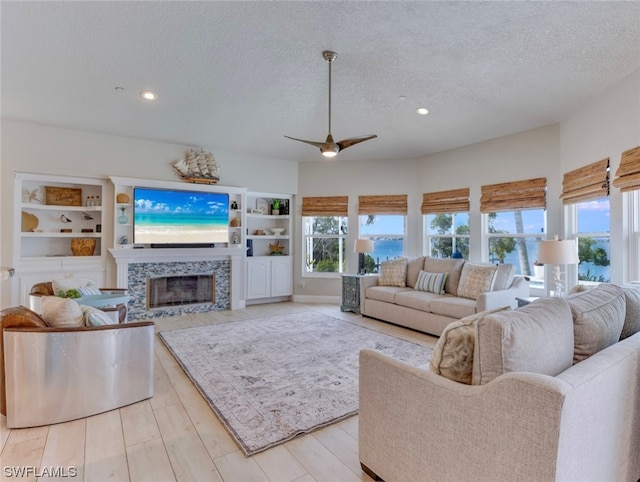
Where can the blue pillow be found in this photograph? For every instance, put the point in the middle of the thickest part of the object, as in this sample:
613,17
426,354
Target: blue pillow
431,282
95,317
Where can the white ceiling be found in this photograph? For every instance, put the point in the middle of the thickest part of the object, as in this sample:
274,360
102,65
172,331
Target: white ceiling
238,76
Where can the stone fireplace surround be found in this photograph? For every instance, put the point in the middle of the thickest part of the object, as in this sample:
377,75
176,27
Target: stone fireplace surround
134,266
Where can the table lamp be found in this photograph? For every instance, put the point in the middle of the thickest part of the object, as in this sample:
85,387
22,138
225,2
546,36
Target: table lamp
363,246
558,252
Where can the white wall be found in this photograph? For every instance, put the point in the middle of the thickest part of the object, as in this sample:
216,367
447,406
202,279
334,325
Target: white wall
27,147
606,127
354,178
525,155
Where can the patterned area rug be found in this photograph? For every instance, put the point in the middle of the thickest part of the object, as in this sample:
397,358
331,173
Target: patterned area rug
272,379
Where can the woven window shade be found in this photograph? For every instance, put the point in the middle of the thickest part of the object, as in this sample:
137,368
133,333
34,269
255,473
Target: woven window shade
325,206
386,204
453,201
585,183
628,173
513,196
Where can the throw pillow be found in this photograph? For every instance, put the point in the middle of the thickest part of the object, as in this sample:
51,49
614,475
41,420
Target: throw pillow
61,311
598,318
632,313
452,267
536,338
393,273
431,282
452,356
476,279
95,317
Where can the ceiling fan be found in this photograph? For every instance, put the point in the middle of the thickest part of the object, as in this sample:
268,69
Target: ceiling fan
330,148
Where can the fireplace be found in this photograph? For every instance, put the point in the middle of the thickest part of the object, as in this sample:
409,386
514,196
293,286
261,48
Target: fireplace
177,290
135,267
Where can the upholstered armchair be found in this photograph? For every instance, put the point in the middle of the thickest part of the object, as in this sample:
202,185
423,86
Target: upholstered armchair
56,374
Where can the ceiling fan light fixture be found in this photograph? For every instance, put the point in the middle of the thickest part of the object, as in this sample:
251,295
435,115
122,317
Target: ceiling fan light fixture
149,95
329,148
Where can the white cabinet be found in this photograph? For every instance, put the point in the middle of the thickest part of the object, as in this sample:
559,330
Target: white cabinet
269,246
269,277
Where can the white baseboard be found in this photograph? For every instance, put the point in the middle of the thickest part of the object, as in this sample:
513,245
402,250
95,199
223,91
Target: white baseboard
336,300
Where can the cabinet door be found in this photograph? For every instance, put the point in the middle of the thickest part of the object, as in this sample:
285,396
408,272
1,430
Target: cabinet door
258,278
281,284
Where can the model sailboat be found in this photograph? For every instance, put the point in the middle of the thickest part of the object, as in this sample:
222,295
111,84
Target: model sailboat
198,168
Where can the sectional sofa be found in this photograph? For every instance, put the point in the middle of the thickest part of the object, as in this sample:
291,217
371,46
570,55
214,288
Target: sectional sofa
427,294
546,392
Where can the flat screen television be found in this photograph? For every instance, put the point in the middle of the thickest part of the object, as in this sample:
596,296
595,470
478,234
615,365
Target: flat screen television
168,217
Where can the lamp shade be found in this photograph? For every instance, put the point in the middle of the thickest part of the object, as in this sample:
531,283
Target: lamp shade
363,246
558,252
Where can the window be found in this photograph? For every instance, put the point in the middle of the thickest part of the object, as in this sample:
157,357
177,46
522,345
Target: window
513,236
383,220
387,231
592,220
325,240
514,222
585,192
447,234
628,181
446,223
324,225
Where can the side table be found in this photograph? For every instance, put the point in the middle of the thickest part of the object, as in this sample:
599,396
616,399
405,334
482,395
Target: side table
351,292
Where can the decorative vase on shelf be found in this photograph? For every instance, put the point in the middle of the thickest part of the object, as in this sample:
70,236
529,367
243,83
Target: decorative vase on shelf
122,219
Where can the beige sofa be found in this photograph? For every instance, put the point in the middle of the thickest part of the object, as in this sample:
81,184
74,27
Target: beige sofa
431,312
555,398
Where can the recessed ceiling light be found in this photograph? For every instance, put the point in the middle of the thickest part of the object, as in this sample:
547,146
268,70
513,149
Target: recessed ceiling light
422,111
148,95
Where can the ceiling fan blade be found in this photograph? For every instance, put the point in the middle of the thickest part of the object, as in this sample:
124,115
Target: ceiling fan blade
313,143
343,144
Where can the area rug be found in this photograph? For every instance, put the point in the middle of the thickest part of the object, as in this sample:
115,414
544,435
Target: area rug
272,379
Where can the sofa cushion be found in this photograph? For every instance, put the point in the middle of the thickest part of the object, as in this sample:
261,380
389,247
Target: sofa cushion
431,282
504,276
452,356
598,318
452,306
393,272
61,311
632,312
418,300
385,293
452,267
536,338
475,279
414,266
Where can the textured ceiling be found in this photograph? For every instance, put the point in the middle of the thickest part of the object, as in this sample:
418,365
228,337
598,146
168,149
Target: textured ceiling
238,76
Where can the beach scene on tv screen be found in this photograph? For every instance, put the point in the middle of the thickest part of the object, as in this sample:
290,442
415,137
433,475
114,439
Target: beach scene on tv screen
177,217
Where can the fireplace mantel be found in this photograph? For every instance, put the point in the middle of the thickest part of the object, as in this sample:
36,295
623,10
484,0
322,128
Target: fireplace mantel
126,256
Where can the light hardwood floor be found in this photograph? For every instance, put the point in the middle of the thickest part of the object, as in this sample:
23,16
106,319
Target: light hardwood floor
175,436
